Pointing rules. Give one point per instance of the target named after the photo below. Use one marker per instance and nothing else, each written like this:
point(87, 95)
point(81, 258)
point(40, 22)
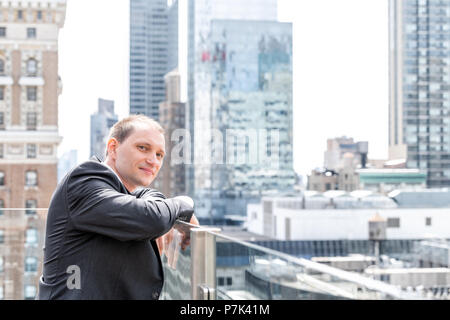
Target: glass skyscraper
point(101, 122)
point(419, 112)
point(153, 49)
point(240, 104)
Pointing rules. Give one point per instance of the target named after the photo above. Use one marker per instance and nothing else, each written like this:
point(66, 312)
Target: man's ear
point(111, 146)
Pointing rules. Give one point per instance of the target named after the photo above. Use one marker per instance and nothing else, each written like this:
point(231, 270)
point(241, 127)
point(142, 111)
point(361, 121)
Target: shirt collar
point(104, 163)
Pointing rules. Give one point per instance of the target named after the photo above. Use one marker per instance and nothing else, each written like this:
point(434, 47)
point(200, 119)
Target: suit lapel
point(122, 187)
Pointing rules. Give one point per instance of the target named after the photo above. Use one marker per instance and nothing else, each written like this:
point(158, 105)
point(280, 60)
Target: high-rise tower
point(419, 111)
point(153, 49)
point(239, 104)
point(101, 123)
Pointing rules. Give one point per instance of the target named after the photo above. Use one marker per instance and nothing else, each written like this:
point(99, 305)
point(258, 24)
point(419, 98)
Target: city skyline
point(346, 84)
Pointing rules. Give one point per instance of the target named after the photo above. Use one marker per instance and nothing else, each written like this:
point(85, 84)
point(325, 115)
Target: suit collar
point(97, 159)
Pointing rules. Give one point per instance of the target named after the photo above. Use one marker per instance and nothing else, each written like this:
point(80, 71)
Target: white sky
point(340, 68)
point(93, 63)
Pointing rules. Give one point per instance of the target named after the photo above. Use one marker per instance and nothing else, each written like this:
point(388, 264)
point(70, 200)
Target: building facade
point(345, 152)
point(419, 111)
point(173, 33)
point(101, 123)
point(171, 180)
point(153, 50)
point(240, 104)
point(343, 217)
point(387, 180)
point(323, 180)
point(29, 89)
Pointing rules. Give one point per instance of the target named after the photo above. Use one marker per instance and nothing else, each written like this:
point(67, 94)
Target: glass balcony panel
point(245, 271)
point(176, 260)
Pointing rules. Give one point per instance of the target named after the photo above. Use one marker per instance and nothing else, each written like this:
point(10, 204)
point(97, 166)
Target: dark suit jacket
point(96, 225)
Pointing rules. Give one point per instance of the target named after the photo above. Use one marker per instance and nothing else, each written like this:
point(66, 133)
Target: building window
point(30, 292)
point(2, 206)
point(1, 150)
point(31, 264)
point(31, 236)
point(268, 207)
point(31, 33)
point(39, 15)
point(19, 14)
point(385, 278)
point(31, 67)
point(221, 281)
point(31, 120)
point(31, 178)
point(2, 32)
point(393, 222)
point(2, 92)
point(2, 178)
point(2, 119)
point(31, 205)
point(31, 151)
point(1, 264)
point(2, 67)
point(2, 236)
point(229, 281)
point(32, 93)
point(428, 221)
point(1, 293)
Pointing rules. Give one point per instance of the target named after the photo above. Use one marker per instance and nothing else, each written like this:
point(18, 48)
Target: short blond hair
point(125, 127)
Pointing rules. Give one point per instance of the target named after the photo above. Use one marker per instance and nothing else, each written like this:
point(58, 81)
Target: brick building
point(29, 90)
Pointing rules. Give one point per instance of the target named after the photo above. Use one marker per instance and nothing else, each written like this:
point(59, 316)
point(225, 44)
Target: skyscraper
point(240, 103)
point(173, 26)
point(101, 123)
point(29, 89)
point(419, 111)
point(172, 112)
point(66, 163)
point(153, 49)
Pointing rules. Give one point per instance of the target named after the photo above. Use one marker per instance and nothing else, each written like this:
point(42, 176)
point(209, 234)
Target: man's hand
point(186, 240)
point(194, 221)
point(186, 208)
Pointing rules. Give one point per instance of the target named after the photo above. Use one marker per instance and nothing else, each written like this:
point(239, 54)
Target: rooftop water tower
point(377, 232)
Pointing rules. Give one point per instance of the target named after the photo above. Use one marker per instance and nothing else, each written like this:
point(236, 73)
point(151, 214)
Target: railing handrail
point(20, 209)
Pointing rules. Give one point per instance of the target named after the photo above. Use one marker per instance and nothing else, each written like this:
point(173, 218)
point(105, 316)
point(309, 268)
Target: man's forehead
point(148, 132)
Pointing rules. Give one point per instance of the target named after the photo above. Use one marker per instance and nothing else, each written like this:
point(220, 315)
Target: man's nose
point(152, 159)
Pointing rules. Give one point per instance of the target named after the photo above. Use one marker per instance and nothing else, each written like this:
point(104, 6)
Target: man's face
point(139, 157)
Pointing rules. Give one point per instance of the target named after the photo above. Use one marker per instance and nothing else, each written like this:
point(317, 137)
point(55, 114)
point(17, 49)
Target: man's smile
point(148, 171)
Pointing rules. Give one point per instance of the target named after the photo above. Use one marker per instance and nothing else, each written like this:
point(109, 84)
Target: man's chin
point(147, 183)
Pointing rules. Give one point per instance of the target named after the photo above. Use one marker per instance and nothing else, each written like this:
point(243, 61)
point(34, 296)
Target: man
point(102, 226)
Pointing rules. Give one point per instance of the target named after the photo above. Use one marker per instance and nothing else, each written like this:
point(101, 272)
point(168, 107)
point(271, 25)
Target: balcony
point(214, 266)
point(257, 273)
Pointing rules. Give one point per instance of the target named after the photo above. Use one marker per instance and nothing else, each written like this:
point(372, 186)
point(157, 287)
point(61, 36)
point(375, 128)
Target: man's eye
point(142, 148)
point(160, 155)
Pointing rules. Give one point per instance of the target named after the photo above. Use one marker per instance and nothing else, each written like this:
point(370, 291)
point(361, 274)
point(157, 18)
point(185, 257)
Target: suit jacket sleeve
point(96, 206)
point(147, 192)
